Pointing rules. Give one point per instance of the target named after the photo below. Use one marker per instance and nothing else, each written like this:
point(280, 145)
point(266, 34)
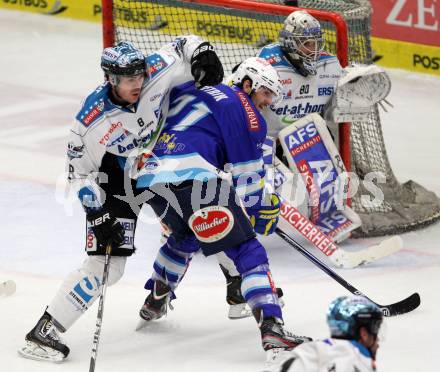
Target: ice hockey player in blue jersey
point(354, 324)
point(311, 78)
point(205, 167)
point(119, 119)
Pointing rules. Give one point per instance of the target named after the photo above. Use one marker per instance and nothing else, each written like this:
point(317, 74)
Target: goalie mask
point(260, 72)
point(302, 40)
point(122, 60)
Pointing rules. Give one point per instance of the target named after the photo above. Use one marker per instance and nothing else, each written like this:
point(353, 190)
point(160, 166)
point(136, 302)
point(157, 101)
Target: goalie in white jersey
point(119, 119)
point(354, 324)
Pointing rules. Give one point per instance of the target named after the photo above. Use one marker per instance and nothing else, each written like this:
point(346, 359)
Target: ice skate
point(273, 335)
point(238, 308)
point(43, 342)
point(156, 304)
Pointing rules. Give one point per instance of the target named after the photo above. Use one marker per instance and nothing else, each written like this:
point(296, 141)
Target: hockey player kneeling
point(354, 324)
point(207, 130)
point(122, 116)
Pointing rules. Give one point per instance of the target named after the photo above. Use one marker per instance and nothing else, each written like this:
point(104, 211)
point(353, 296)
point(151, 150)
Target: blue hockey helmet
point(346, 315)
point(123, 59)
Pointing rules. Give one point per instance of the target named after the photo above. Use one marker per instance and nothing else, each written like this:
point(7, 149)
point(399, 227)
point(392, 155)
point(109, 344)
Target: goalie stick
point(337, 255)
point(405, 306)
point(97, 333)
point(7, 288)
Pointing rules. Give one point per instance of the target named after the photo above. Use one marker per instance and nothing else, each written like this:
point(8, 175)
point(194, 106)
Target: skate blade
point(239, 311)
point(142, 323)
point(40, 353)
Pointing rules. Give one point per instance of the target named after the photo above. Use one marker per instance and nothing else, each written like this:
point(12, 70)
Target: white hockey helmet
point(260, 72)
point(300, 28)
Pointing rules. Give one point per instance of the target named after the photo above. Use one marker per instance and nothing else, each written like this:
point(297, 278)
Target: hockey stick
point(7, 288)
point(97, 333)
point(405, 306)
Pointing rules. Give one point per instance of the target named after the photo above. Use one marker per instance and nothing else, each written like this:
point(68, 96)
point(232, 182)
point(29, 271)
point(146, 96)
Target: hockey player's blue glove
point(106, 227)
point(264, 219)
point(206, 67)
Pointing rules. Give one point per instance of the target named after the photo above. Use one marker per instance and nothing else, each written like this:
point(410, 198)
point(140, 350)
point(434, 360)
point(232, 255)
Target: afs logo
point(210, 224)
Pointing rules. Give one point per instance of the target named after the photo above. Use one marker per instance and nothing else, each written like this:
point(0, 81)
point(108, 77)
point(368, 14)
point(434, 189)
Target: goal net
point(238, 29)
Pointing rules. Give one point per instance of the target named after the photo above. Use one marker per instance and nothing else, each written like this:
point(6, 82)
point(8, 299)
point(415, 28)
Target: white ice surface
point(47, 65)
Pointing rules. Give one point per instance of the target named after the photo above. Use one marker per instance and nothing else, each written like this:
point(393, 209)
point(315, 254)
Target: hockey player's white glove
point(357, 91)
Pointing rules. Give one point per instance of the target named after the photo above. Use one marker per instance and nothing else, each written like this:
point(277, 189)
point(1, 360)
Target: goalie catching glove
point(106, 227)
point(206, 67)
point(264, 219)
point(357, 91)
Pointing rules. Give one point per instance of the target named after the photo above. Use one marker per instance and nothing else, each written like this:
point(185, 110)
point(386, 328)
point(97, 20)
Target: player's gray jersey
point(300, 95)
point(103, 127)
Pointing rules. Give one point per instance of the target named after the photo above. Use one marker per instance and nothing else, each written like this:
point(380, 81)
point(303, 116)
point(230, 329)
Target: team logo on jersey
point(156, 63)
point(93, 113)
point(210, 224)
point(273, 59)
point(74, 151)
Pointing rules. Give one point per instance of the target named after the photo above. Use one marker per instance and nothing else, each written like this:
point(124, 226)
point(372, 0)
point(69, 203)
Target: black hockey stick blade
point(402, 307)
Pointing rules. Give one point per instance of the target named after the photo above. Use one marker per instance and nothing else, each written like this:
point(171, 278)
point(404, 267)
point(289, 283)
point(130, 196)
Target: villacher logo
point(212, 223)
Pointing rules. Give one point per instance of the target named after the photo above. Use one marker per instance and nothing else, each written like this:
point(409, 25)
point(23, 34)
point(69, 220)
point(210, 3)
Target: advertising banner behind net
point(406, 34)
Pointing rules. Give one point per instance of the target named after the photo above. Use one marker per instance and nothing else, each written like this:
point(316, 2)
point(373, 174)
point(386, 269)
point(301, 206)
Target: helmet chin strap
point(296, 62)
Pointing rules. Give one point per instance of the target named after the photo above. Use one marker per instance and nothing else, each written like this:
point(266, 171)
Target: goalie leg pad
point(81, 288)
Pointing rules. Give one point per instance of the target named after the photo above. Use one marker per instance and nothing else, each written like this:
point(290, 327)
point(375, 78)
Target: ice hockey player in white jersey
point(120, 118)
point(354, 324)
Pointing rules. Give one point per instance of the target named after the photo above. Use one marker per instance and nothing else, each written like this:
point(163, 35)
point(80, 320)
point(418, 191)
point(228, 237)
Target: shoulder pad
point(274, 55)
point(157, 63)
point(93, 106)
point(326, 56)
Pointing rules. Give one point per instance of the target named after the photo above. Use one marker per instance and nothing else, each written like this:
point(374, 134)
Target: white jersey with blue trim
point(301, 95)
point(206, 130)
point(323, 356)
point(103, 127)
